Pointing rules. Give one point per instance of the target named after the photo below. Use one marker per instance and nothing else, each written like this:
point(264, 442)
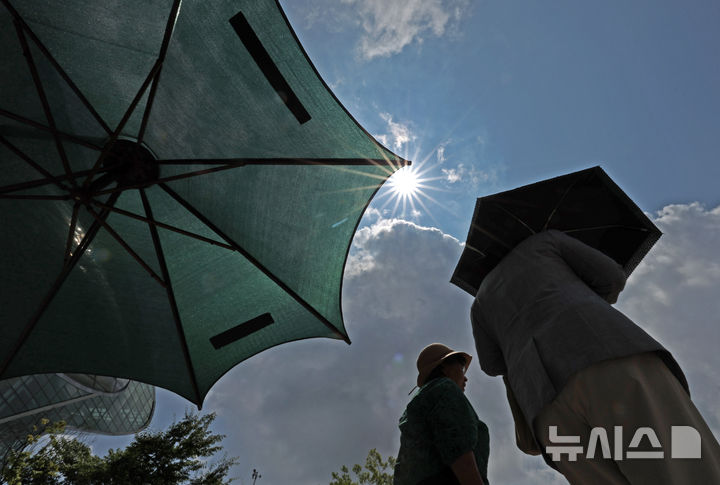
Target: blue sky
point(484, 96)
point(519, 91)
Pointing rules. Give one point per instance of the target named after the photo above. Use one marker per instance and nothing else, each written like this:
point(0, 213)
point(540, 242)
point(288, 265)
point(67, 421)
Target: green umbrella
point(179, 189)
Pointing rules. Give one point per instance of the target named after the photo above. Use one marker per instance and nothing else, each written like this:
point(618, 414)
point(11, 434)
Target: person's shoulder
point(438, 389)
point(446, 397)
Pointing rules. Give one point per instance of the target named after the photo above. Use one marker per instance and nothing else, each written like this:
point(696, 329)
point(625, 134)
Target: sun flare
point(405, 182)
point(407, 190)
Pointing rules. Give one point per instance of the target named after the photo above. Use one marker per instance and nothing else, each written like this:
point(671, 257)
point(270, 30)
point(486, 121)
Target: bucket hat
point(432, 356)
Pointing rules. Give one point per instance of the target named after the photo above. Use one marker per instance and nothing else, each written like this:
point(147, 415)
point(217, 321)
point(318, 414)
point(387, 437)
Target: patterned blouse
point(438, 426)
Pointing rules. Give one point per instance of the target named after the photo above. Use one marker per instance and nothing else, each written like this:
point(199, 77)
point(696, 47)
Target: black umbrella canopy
point(179, 189)
point(586, 205)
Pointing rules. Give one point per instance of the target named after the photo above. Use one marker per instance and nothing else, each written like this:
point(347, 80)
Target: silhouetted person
point(543, 320)
point(442, 441)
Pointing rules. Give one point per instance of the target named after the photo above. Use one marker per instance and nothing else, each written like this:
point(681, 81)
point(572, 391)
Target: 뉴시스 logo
point(685, 443)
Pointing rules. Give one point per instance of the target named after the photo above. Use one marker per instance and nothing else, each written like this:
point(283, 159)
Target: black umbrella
point(586, 205)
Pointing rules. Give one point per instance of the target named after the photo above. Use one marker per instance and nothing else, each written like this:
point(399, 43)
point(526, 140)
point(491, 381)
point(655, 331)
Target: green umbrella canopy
point(178, 189)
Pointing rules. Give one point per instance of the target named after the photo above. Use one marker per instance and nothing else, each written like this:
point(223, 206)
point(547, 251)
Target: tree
point(374, 472)
point(174, 456)
point(34, 461)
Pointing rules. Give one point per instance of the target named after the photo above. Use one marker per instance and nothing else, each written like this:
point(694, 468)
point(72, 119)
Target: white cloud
point(372, 213)
point(441, 154)
point(400, 134)
point(673, 294)
point(384, 139)
point(453, 175)
point(478, 177)
point(391, 25)
point(301, 410)
point(472, 176)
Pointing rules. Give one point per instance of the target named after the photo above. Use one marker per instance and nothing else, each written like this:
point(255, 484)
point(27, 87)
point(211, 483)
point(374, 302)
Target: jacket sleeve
point(489, 353)
point(524, 437)
point(598, 271)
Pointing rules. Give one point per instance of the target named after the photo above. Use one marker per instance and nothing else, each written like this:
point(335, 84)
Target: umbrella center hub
point(131, 164)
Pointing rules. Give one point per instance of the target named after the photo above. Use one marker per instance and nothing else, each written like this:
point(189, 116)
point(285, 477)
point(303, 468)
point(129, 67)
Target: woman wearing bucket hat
point(442, 441)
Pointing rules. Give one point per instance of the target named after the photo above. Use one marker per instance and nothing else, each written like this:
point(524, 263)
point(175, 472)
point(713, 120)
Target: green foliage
point(35, 462)
point(375, 472)
point(174, 456)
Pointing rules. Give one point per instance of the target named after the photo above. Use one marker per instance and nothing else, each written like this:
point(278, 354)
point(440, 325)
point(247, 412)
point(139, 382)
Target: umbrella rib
point(280, 161)
point(491, 236)
point(57, 66)
point(515, 217)
point(67, 268)
point(43, 98)
point(121, 125)
point(254, 261)
point(171, 294)
point(165, 179)
point(164, 226)
point(161, 59)
point(40, 126)
point(50, 178)
point(557, 206)
point(35, 197)
point(126, 246)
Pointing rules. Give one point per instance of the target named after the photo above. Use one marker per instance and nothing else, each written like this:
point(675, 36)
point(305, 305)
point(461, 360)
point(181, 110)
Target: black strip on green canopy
point(241, 331)
point(268, 67)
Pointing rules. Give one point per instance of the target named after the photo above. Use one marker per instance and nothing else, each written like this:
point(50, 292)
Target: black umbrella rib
point(34, 197)
point(113, 138)
point(40, 126)
point(43, 99)
point(263, 60)
point(532, 231)
point(49, 178)
point(165, 179)
point(57, 66)
point(252, 260)
point(126, 247)
point(164, 226)
point(239, 162)
point(169, 27)
point(171, 295)
point(559, 202)
point(50, 295)
point(491, 236)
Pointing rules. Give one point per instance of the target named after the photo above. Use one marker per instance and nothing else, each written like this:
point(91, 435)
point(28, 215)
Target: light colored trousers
point(635, 393)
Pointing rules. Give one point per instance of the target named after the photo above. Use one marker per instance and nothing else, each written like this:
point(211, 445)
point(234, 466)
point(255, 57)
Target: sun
point(405, 182)
point(407, 190)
